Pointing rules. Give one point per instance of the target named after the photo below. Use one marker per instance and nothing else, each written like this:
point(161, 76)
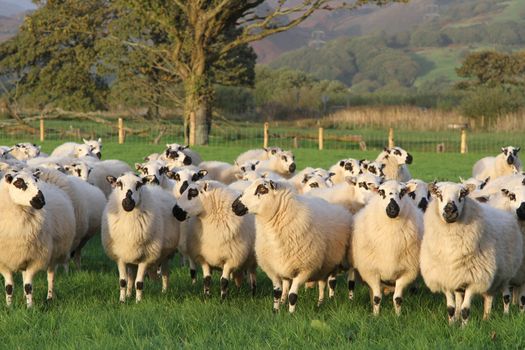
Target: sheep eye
point(348, 166)
point(119, 184)
point(261, 189)
point(195, 177)
point(397, 152)
point(512, 197)
point(20, 184)
point(364, 185)
point(253, 166)
point(192, 192)
point(412, 195)
point(243, 169)
point(382, 193)
point(285, 158)
point(314, 185)
point(402, 192)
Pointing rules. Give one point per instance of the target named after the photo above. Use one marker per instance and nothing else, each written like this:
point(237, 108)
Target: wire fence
point(460, 138)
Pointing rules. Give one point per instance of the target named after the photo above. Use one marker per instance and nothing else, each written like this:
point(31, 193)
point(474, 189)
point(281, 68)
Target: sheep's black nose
point(238, 207)
point(423, 204)
point(510, 160)
point(520, 212)
point(128, 204)
point(187, 161)
point(38, 201)
point(392, 209)
point(291, 168)
point(179, 214)
point(409, 159)
point(450, 212)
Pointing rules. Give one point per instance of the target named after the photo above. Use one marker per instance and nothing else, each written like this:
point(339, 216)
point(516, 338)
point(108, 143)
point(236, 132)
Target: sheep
point(496, 185)
point(374, 168)
point(513, 201)
point(138, 229)
point(386, 242)
point(25, 151)
point(281, 163)
point(33, 239)
point(257, 154)
point(221, 171)
point(316, 180)
point(478, 184)
point(344, 168)
point(193, 156)
point(79, 169)
point(298, 238)
point(69, 149)
point(480, 249)
point(419, 193)
point(184, 177)
point(102, 169)
point(4, 152)
point(395, 160)
point(154, 171)
point(221, 239)
point(505, 163)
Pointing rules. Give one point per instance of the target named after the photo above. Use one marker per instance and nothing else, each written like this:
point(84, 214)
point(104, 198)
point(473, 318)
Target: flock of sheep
point(365, 218)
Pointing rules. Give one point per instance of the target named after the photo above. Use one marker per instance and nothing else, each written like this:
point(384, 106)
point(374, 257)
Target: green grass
point(443, 62)
point(86, 312)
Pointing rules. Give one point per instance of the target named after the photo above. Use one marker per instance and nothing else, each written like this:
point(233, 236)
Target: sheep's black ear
point(145, 179)
point(112, 180)
point(386, 149)
point(517, 150)
point(202, 173)
point(138, 166)
point(8, 178)
point(342, 163)
point(182, 148)
point(163, 170)
point(432, 188)
point(331, 175)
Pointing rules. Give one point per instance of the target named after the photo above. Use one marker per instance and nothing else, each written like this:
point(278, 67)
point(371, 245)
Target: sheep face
point(177, 158)
point(451, 199)
point(375, 168)
point(249, 165)
point(257, 198)
point(95, 146)
point(286, 162)
point(402, 156)
point(516, 200)
point(351, 167)
point(316, 180)
point(25, 151)
point(84, 150)
point(510, 153)
point(152, 171)
point(190, 202)
point(365, 186)
point(419, 193)
point(80, 169)
point(391, 194)
point(128, 189)
point(23, 189)
point(183, 178)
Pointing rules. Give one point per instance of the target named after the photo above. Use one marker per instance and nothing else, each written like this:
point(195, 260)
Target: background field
point(86, 312)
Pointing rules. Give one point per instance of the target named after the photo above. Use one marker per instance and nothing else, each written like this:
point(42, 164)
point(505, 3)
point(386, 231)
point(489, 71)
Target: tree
point(198, 29)
point(53, 58)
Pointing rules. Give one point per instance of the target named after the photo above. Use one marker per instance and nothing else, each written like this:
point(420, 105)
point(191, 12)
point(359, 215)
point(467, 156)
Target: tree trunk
point(198, 109)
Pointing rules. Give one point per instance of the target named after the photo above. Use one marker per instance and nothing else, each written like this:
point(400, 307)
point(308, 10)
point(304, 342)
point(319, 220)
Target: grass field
point(86, 312)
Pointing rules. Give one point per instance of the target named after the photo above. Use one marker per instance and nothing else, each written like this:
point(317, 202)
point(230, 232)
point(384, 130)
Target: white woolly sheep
point(480, 249)
point(513, 201)
point(257, 154)
point(184, 177)
point(281, 163)
point(419, 193)
point(298, 238)
point(386, 242)
point(374, 168)
point(33, 239)
point(154, 171)
point(505, 163)
point(344, 168)
point(25, 151)
point(68, 149)
point(395, 160)
point(79, 169)
point(221, 239)
point(138, 229)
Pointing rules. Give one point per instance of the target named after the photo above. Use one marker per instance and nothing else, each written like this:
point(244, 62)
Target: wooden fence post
point(391, 143)
point(266, 127)
point(295, 142)
point(120, 131)
point(42, 130)
point(464, 147)
point(321, 139)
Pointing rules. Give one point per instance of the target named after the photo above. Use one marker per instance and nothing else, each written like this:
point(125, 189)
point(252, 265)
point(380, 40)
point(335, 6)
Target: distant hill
point(12, 13)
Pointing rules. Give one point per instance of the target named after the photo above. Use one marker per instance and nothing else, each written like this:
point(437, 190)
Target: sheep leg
point(401, 284)
point(300, 279)
point(375, 295)
point(351, 283)
point(165, 271)
point(332, 282)
point(123, 277)
point(459, 301)
point(487, 305)
point(9, 283)
point(139, 282)
point(465, 306)
point(193, 271)
point(76, 258)
point(522, 298)
point(238, 276)
point(132, 272)
point(277, 293)
point(506, 299)
point(27, 277)
point(225, 279)
point(322, 287)
point(50, 282)
point(286, 288)
point(206, 272)
point(451, 307)
point(253, 281)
